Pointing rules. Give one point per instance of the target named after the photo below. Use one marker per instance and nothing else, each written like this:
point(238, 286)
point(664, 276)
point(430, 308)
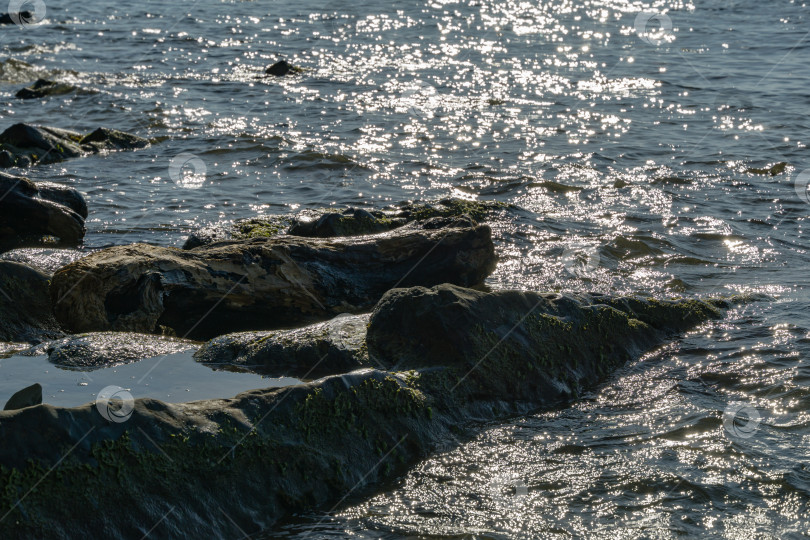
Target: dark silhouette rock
point(39, 214)
point(25, 305)
point(44, 88)
point(27, 397)
point(352, 222)
point(282, 68)
point(16, 18)
point(261, 283)
point(25, 144)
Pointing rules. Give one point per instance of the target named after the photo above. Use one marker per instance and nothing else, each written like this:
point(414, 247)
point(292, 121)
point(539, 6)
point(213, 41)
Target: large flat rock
point(261, 283)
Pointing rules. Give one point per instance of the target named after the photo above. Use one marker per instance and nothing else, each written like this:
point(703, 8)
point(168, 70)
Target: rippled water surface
point(635, 149)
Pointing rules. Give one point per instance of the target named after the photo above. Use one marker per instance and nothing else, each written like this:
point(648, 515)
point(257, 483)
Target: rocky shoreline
point(387, 307)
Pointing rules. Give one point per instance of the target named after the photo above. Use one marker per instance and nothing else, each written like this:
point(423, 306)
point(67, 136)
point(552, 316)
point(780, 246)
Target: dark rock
point(37, 214)
point(28, 144)
point(282, 68)
point(550, 344)
point(25, 305)
point(267, 454)
point(27, 397)
point(16, 18)
point(352, 222)
point(327, 223)
point(259, 284)
point(106, 349)
point(773, 170)
point(6, 159)
point(327, 348)
point(112, 139)
point(43, 88)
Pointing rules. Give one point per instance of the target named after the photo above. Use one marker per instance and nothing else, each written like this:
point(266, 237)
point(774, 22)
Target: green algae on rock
point(266, 454)
point(329, 223)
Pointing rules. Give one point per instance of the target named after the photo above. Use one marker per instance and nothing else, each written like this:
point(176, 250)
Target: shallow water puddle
point(174, 378)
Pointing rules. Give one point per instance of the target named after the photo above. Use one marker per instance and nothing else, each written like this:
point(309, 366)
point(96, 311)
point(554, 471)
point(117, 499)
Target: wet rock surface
point(25, 305)
point(552, 345)
point(47, 260)
point(262, 283)
point(36, 214)
point(44, 88)
point(22, 145)
point(329, 223)
point(266, 454)
point(27, 397)
point(327, 348)
point(107, 349)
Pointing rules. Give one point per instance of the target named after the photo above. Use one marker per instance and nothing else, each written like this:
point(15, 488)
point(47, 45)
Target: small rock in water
point(281, 68)
point(27, 397)
point(15, 18)
point(44, 87)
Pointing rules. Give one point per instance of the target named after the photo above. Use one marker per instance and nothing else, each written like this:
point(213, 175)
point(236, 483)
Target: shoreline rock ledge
point(262, 283)
point(259, 457)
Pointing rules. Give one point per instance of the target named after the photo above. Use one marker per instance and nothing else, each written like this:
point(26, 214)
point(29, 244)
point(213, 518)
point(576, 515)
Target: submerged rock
point(24, 17)
point(352, 222)
point(25, 305)
point(262, 283)
point(27, 397)
point(334, 346)
point(266, 454)
point(106, 349)
point(39, 214)
point(22, 145)
point(43, 88)
point(327, 223)
point(282, 68)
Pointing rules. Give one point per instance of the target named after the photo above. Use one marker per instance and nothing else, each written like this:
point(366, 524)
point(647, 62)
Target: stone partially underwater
point(327, 348)
point(262, 283)
point(23, 145)
point(107, 349)
point(331, 223)
point(229, 467)
point(39, 214)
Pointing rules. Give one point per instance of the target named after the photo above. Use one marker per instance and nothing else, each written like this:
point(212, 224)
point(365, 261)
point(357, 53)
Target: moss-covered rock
point(266, 454)
point(329, 223)
point(551, 345)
